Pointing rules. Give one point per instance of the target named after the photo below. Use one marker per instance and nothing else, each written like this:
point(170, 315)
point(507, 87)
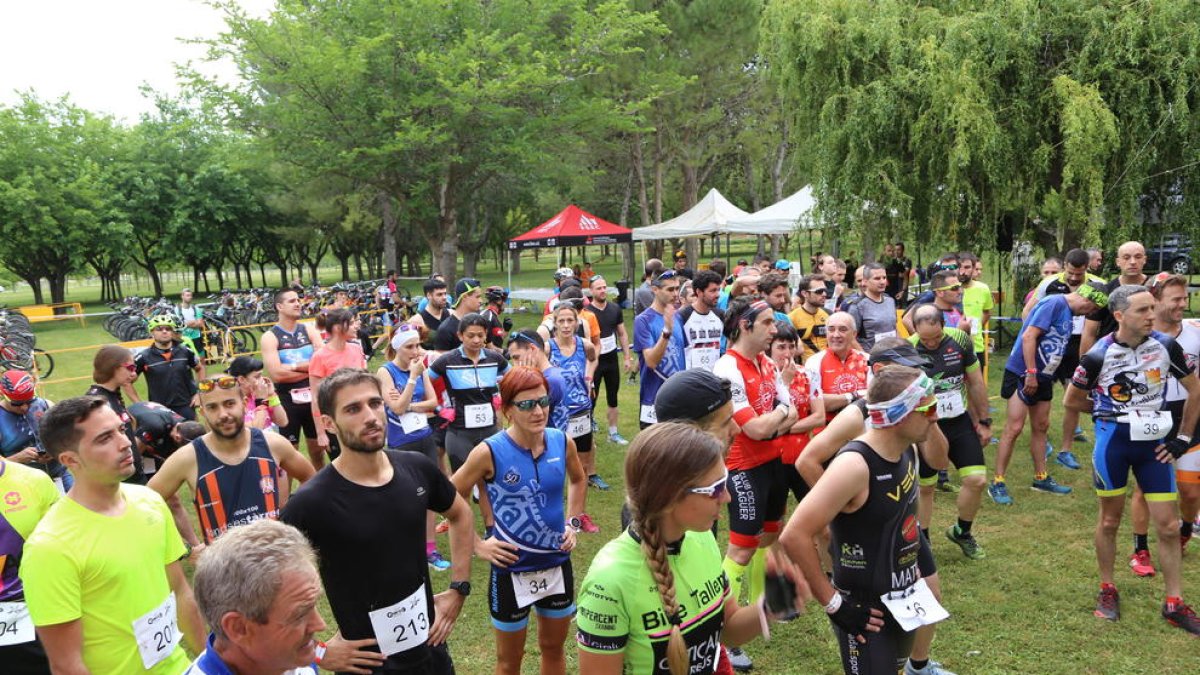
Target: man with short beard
point(874, 313)
point(233, 470)
point(700, 323)
point(365, 516)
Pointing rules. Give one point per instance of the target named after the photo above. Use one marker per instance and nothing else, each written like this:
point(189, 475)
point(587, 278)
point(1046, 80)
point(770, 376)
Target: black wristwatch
point(985, 422)
point(463, 587)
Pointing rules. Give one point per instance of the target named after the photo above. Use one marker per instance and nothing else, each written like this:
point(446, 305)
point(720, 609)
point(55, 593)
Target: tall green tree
point(1051, 121)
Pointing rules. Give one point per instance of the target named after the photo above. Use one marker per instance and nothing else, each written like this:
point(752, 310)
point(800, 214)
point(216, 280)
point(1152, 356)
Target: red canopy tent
point(571, 227)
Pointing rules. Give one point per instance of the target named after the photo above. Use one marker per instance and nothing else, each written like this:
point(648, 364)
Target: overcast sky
point(101, 51)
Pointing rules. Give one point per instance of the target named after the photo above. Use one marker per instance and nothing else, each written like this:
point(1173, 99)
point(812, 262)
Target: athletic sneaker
point(586, 524)
point(1108, 604)
point(1140, 563)
point(739, 660)
point(1048, 484)
point(1079, 435)
point(966, 542)
point(1183, 617)
point(597, 482)
point(1067, 458)
point(931, 668)
point(437, 562)
point(947, 486)
point(999, 494)
point(618, 439)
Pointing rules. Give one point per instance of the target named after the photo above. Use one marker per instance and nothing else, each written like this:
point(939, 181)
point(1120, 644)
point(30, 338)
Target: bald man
point(840, 370)
point(1131, 258)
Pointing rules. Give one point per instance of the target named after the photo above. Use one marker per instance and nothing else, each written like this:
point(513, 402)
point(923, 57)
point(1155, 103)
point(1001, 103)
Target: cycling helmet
point(17, 386)
point(563, 273)
point(496, 294)
point(154, 425)
point(783, 265)
point(161, 320)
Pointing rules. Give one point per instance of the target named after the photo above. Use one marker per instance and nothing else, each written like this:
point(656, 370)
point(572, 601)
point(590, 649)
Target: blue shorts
point(1115, 454)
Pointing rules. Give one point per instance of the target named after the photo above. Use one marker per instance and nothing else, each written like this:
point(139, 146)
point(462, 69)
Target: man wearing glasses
point(168, 366)
point(947, 297)
point(659, 351)
point(810, 316)
point(233, 471)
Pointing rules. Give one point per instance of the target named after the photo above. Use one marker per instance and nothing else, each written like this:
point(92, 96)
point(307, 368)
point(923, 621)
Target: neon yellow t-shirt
point(977, 299)
point(106, 571)
point(25, 496)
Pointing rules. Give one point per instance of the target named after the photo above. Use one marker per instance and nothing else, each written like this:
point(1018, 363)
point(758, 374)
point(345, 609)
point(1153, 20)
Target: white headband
point(404, 334)
point(892, 412)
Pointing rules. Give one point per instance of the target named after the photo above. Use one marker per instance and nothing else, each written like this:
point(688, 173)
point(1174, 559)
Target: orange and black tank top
point(228, 495)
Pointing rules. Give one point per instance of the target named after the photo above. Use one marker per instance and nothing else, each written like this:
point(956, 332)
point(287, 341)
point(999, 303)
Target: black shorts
point(608, 372)
point(300, 418)
point(424, 446)
point(1070, 361)
point(966, 452)
point(502, 601)
point(925, 562)
point(759, 499)
point(187, 412)
point(460, 443)
point(795, 483)
point(883, 652)
point(27, 658)
point(1013, 383)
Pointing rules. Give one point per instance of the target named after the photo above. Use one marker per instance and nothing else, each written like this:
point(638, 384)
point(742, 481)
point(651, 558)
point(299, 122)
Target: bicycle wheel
point(44, 362)
point(244, 341)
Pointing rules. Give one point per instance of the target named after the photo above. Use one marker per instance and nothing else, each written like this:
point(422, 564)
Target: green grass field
point(1025, 608)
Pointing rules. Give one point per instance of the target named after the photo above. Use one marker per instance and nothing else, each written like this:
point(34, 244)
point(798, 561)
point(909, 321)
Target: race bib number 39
point(157, 633)
point(402, 626)
point(529, 587)
point(915, 606)
point(15, 625)
point(1149, 425)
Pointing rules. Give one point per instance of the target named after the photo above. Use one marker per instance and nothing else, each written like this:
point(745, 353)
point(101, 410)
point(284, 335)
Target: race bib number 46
point(157, 633)
point(402, 626)
point(915, 606)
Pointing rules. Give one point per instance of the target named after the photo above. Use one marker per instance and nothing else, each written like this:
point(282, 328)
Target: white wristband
point(835, 603)
point(1184, 437)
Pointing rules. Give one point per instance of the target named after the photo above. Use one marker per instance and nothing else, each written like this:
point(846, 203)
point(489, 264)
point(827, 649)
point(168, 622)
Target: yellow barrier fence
point(40, 313)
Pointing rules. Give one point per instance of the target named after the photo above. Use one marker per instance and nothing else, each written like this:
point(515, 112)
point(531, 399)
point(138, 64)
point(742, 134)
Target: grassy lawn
point(1025, 608)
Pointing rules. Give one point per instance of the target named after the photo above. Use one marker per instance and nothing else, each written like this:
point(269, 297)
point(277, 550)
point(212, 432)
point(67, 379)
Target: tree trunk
point(470, 258)
point(237, 273)
point(195, 278)
point(58, 287)
point(344, 261)
point(388, 215)
point(35, 284)
point(155, 279)
point(358, 266)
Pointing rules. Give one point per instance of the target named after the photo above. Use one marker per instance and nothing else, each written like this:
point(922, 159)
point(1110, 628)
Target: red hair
point(520, 379)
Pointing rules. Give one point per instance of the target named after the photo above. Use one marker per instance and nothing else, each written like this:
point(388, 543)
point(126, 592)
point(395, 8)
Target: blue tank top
point(228, 495)
point(396, 435)
point(527, 499)
point(577, 398)
point(294, 347)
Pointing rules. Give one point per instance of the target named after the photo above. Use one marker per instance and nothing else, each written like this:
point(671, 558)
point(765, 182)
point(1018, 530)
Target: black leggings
point(883, 652)
point(608, 372)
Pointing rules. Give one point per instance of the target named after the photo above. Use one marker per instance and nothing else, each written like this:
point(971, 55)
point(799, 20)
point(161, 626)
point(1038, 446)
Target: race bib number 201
point(157, 633)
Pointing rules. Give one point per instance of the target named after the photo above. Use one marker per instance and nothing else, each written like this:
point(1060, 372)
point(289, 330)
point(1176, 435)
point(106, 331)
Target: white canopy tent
point(709, 216)
point(782, 217)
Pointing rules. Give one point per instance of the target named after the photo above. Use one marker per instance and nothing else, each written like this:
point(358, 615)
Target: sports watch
point(462, 587)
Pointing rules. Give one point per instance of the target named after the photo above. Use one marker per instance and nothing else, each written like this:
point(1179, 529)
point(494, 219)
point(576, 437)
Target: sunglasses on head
point(952, 287)
point(714, 491)
point(666, 274)
point(222, 382)
point(530, 404)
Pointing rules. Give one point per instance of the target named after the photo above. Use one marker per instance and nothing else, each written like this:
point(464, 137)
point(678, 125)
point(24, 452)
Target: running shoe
point(597, 482)
point(618, 439)
point(1182, 616)
point(931, 668)
point(740, 660)
point(966, 542)
point(947, 486)
point(586, 524)
point(437, 562)
point(1067, 459)
point(1141, 564)
point(1051, 486)
point(1079, 435)
point(443, 526)
point(1108, 604)
point(999, 494)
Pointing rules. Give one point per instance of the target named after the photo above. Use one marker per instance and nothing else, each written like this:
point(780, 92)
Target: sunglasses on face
point(820, 291)
point(222, 382)
point(929, 409)
point(18, 404)
point(714, 491)
point(529, 404)
point(131, 367)
point(954, 287)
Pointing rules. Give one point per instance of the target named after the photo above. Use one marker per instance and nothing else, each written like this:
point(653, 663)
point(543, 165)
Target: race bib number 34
point(402, 626)
point(157, 633)
point(529, 587)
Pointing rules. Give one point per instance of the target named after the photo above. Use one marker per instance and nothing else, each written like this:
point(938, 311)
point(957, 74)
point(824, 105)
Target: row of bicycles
point(18, 345)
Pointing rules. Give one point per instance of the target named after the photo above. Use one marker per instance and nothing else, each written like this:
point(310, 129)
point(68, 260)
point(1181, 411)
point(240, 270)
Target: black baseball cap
point(244, 365)
point(900, 354)
point(690, 395)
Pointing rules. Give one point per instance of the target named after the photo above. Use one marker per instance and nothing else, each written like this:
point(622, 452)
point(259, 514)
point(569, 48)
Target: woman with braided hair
point(656, 599)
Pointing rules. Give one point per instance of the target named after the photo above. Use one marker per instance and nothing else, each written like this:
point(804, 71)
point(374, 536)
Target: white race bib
point(148, 465)
point(412, 422)
point(402, 626)
point(608, 344)
point(1077, 324)
point(703, 357)
point(649, 415)
point(950, 404)
point(157, 632)
point(15, 625)
point(303, 395)
point(887, 334)
point(579, 425)
point(529, 587)
point(914, 606)
point(1149, 425)
point(479, 415)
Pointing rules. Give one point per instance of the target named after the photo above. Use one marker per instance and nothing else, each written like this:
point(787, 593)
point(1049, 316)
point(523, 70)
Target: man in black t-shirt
point(898, 268)
point(168, 366)
point(468, 298)
point(365, 515)
point(614, 340)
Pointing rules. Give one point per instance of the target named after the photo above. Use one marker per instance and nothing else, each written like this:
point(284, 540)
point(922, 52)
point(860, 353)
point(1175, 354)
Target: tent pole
point(510, 272)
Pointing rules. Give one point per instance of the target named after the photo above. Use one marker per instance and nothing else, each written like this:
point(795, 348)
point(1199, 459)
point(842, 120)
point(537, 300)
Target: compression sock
point(757, 575)
point(1185, 528)
point(736, 573)
point(1140, 542)
point(612, 431)
point(964, 526)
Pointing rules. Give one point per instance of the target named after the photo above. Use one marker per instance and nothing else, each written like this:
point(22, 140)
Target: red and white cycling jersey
point(755, 386)
point(802, 393)
point(832, 375)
